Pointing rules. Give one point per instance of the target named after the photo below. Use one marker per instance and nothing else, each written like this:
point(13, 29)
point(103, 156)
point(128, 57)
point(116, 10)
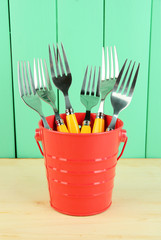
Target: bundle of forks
point(121, 85)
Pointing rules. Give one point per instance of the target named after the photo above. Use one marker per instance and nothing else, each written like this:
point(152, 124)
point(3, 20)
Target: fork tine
point(108, 66)
point(112, 68)
point(119, 77)
point(128, 82)
point(42, 72)
point(103, 64)
point(35, 76)
point(61, 64)
point(134, 82)
point(123, 82)
point(89, 83)
point(27, 80)
point(47, 76)
point(51, 64)
point(98, 83)
point(65, 60)
point(116, 63)
point(19, 81)
point(39, 74)
point(56, 62)
point(31, 79)
point(23, 79)
point(84, 82)
point(93, 85)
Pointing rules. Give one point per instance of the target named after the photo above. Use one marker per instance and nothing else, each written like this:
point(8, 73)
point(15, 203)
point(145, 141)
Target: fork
point(121, 96)
point(106, 85)
point(89, 99)
point(62, 82)
point(29, 96)
point(46, 93)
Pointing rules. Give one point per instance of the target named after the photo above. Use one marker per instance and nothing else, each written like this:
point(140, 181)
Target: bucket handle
point(38, 137)
point(124, 139)
point(38, 144)
point(122, 149)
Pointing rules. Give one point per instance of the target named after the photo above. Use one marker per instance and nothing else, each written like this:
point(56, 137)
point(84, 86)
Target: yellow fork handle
point(72, 123)
point(62, 128)
point(99, 125)
point(86, 129)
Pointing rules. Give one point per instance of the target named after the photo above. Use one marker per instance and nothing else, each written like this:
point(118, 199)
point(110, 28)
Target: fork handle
point(72, 123)
point(46, 125)
point(99, 124)
point(86, 128)
point(62, 128)
point(112, 123)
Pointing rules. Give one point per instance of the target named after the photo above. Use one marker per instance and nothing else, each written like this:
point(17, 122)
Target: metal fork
point(46, 93)
point(29, 96)
point(63, 81)
point(89, 98)
point(121, 96)
point(107, 84)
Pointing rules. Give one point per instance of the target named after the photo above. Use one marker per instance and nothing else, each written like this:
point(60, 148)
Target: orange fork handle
point(62, 128)
point(86, 129)
point(99, 125)
point(72, 123)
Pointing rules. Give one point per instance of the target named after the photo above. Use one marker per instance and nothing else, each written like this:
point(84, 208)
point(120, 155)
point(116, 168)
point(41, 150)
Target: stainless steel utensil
point(29, 96)
point(63, 81)
point(106, 85)
point(46, 93)
point(89, 98)
point(121, 96)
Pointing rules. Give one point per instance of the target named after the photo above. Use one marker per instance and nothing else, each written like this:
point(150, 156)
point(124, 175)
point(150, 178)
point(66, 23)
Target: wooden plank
point(7, 148)
point(80, 28)
point(128, 27)
point(33, 27)
point(26, 213)
point(154, 114)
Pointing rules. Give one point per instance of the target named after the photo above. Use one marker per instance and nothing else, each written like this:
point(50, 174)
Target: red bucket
point(80, 167)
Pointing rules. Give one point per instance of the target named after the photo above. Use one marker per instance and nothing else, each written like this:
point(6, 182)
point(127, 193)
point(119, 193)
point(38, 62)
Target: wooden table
point(25, 212)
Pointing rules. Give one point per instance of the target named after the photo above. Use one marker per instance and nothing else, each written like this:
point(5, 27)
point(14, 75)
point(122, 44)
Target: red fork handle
point(38, 138)
point(123, 138)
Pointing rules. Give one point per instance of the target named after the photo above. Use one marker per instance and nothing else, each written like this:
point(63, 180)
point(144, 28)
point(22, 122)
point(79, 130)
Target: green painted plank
point(153, 149)
point(80, 28)
point(7, 149)
point(33, 27)
point(127, 25)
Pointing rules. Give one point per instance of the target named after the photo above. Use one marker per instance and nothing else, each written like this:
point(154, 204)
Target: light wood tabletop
point(25, 212)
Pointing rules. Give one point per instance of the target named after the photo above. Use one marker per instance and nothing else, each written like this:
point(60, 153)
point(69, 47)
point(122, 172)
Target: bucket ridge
point(82, 172)
point(84, 160)
point(82, 185)
point(86, 195)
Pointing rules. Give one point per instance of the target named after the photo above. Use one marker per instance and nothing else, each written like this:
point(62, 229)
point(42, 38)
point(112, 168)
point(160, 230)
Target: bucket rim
point(82, 134)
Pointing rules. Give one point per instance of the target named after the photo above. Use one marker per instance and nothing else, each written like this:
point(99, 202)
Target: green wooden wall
point(28, 27)
point(7, 136)
point(153, 147)
point(32, 28)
